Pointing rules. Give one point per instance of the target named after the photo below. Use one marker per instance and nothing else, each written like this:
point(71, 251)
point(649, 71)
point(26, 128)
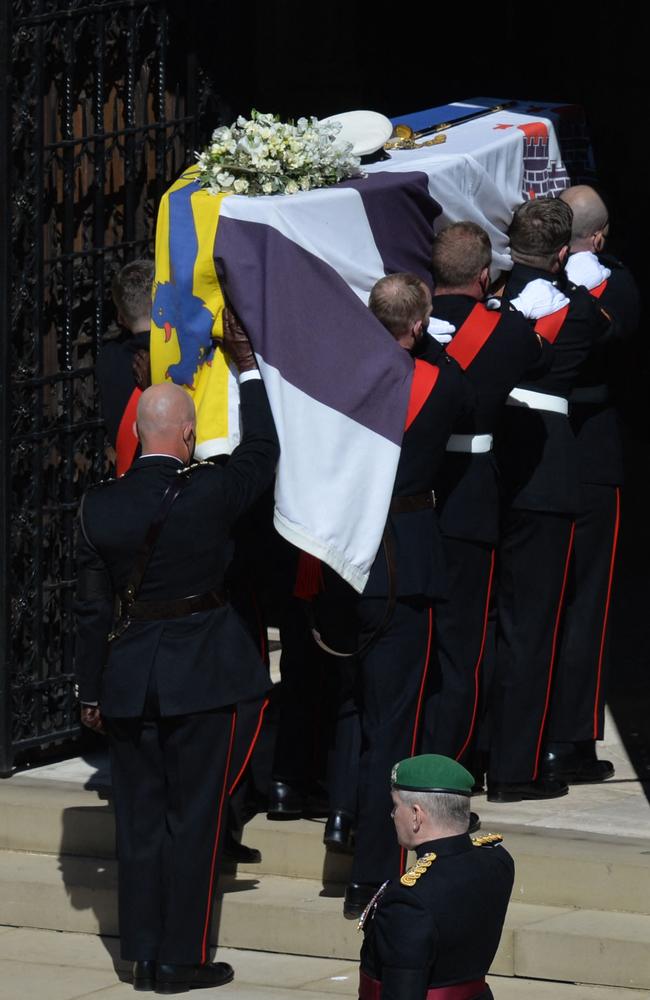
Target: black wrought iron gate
point(94, 125)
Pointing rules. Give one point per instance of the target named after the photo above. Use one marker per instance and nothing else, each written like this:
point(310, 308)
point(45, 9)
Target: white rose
point(241, 185)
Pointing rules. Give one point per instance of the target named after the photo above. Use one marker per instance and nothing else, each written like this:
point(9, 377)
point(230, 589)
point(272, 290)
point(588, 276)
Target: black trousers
point(578, 700)
point(345, 738)
point(171, 781)
point(532, 571)
point(452, 706)
point(393, 678)
point(302, 735)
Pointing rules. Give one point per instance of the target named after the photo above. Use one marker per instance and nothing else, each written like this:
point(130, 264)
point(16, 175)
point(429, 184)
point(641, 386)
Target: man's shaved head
point(165, 420)
point(590, 215)
point(399, 301)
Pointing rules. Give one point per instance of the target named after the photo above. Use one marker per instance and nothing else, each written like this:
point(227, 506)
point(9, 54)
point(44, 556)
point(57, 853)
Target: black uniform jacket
point(200, 661)
point(416, 536)
point(468, 493)
point(536, 449)
point(445, 928)
point(114, 374)
point(596, 424)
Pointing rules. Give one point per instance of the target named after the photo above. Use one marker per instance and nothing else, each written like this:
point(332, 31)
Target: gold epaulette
point(487, 840)
point(422, 865)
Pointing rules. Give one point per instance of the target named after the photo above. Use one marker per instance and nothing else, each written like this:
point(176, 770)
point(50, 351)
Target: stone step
point(54, 817)
point(566, 868)
point(52, 965)
point(292, 915)
point(557, 869)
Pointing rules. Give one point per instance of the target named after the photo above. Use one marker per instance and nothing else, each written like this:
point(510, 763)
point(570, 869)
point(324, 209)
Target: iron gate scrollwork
point(95, 126)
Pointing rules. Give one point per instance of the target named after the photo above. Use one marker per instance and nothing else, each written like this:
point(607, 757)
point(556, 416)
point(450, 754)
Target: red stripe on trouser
point(418, 712)
point(479, 660)
point(553, 650)
point(251, 747)
point(601, 654)
point(222, 799)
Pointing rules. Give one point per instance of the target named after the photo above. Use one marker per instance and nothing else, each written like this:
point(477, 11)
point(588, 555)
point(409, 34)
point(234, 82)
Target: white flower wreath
point(263, 155)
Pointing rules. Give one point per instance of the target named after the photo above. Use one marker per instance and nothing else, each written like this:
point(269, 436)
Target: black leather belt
point(405, 505)
point(151, 611)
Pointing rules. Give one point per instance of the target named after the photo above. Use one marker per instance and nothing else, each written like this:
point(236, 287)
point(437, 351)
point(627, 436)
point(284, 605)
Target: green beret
point(430, 772)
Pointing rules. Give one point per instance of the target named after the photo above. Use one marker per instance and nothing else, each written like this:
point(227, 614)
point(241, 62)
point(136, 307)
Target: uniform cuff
point(249, 376)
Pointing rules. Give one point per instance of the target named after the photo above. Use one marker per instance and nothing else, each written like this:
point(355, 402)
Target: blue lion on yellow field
point(193, 322)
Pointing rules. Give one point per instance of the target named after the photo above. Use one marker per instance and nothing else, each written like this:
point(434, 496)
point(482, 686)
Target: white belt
point(538, 401)
point(473, 443)
point(589, 394)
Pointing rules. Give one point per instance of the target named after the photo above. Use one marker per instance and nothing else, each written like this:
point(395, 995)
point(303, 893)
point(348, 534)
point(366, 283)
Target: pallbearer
point(538, 461)
point(496, 347)
point(576, 715)
point(395, 612)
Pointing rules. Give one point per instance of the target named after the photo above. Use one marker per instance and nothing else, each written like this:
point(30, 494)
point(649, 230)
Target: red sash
point(425, 377)
point(472, 335)
point(127, 443)
point(549, 326)
point(599, 289)
point(370, 989)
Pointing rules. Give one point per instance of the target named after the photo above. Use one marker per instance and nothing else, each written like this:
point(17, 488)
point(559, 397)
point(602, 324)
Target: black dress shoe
point(236, 853)
point(575, 763)
point(285, 801)
point(181, 978)
point(474, 823)
point(144, 975)
point(357, 897)
point(542, 788)
point(338, 832)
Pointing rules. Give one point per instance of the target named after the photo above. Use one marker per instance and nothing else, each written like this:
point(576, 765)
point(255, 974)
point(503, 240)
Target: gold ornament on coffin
point(404, 137)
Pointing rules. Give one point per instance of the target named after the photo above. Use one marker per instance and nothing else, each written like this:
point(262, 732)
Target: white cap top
point(367, 131)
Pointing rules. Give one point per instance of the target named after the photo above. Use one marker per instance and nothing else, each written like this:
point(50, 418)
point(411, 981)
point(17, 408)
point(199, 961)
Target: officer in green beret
point(433, 934)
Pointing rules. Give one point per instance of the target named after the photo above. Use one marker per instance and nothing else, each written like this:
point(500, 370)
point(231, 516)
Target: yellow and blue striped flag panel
point(187, 308)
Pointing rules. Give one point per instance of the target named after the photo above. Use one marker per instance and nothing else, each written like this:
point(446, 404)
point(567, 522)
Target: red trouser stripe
point(251, 747)
point(558, 616)
point(213, 866)
point(418, 712)
point(603, 635)
point(477, 668)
